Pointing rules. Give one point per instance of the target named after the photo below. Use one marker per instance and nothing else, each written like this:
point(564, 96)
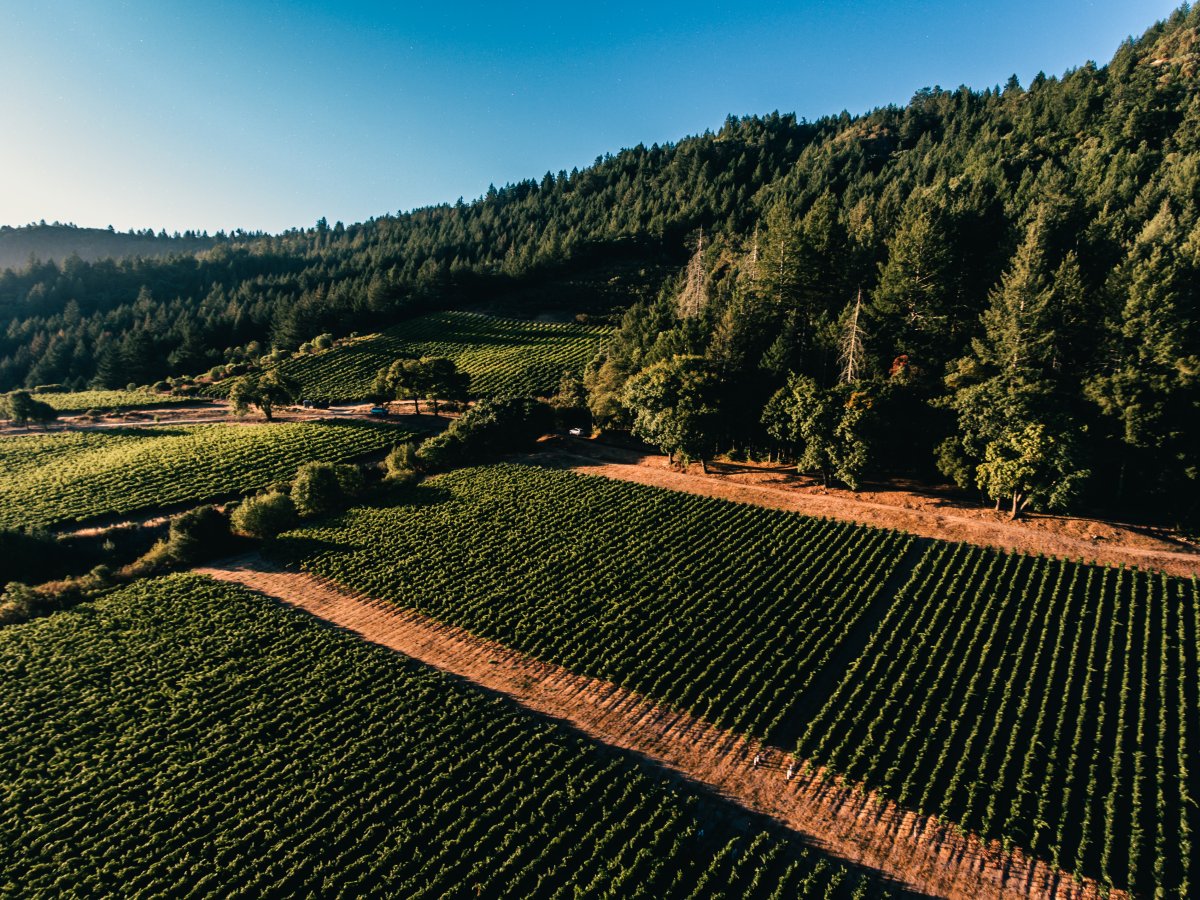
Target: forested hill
point(1027, 261)
point(58, 242)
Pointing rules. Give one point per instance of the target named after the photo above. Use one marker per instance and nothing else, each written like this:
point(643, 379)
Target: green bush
point(403, 463)
point(264, 516)
point(321, 487)
point(491, 428)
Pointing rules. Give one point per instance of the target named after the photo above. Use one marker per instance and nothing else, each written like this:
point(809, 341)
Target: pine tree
point(917, 293)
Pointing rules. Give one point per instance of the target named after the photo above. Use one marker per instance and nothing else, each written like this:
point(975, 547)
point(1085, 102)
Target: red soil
point(915, 851)
point(922, 511)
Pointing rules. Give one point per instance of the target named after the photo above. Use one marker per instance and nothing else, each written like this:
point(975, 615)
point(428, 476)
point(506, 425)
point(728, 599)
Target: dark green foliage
point(264, 515)
point(489, 429)
point(321, 487)
point(674, 406)
point(199, 533)
point(833, 431)
point(403, 463)
point(156, 737)
point(194, 536)
point(23, 409)
point(266, 391)
point(28, 555)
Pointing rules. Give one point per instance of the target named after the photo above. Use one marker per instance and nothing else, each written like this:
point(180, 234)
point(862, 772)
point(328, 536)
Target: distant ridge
point(59, 242)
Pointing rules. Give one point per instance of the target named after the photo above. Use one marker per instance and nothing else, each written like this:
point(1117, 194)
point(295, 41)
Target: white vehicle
point(575, 432)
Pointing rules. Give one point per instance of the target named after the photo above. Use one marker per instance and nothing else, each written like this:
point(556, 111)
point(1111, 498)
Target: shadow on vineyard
point(719, 818)
point(1029, 700)
point(810, 702)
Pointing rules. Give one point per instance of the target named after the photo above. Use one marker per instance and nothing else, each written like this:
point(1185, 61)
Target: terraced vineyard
point(186, 738)
point(78, 401)
point(74, 476)
point(1045, 703)
point(502, 356)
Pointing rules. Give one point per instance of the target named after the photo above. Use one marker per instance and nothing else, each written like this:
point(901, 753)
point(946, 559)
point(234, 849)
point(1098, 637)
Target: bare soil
point(916, 509)
point(918, 852)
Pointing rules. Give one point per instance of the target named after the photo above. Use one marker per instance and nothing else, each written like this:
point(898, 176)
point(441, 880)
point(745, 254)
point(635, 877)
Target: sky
point(269, 114)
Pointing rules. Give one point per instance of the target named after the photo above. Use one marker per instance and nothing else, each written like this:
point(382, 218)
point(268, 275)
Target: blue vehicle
point(379, 411)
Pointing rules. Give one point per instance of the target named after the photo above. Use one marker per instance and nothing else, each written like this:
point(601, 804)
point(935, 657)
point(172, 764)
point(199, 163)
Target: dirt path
point(915, 851)
point(1108, 543)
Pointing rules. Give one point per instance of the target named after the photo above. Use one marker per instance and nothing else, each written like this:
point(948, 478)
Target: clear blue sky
point(260, 114)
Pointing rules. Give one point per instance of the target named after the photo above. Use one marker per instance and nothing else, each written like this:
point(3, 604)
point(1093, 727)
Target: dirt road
point(915, 851)
point(1091, 540)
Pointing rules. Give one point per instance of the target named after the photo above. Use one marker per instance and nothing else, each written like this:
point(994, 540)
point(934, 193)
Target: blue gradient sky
point(269, 115)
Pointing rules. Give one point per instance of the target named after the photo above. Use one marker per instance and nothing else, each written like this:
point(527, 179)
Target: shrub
point(27, 555)
point(322, 487)
point(198, 532)
point(264, 516)
point(193, 536)
point(402, 463)
point(490, 428)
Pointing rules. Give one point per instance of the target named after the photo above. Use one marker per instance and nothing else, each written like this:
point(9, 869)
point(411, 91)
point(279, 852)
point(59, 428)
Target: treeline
point(1023, 264)
point(24, 246)
point(116, 322)
point(1001, 286)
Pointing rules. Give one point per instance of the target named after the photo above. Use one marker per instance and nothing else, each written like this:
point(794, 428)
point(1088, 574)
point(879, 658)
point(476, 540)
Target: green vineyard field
point(1048, 704)
point(728, 610)
point(78, 401)
point(184, 738)
point(503, 356)
point(74, 476)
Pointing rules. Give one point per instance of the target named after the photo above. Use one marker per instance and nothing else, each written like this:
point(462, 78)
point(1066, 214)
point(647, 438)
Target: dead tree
point(852, 352)
point(694, 298)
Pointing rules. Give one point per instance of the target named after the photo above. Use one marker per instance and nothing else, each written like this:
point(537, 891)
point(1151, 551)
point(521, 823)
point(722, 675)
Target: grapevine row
point(78, 475)
point(502, 356)
point(184, 737)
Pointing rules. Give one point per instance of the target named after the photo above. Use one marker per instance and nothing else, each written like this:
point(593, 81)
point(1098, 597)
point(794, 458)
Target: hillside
point(59, 243)
point(502, 357)
point(1026, 259)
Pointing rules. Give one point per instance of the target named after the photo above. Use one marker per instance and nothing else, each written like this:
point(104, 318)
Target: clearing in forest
point(515, 357)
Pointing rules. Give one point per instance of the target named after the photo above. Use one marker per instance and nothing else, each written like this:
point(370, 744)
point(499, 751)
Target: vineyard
point(1049, 704)
point(502, 356)
point(182, 737)
point(79, 401)
point(74, 476)
point(727, 610)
